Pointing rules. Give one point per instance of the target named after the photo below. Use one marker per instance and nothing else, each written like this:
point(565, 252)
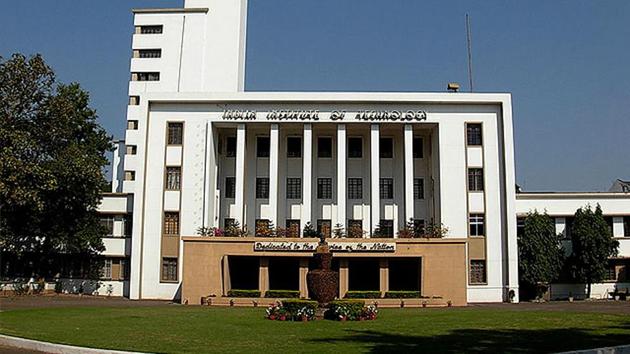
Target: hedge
point(283, 293)
point(292, 306)
point(354, 307)
point(363, 294)
point(402, 294)
point(243, 293)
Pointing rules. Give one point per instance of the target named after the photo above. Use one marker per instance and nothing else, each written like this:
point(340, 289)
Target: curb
point(30, 344)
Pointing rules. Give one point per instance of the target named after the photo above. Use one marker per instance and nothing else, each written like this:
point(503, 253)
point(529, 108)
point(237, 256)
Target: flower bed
point(292, 310)
point(351, 310)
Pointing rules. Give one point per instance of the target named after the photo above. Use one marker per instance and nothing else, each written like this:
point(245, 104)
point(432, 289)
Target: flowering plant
point(342, 313)
point(369, 312)
point(305, 313)
point(276, 311)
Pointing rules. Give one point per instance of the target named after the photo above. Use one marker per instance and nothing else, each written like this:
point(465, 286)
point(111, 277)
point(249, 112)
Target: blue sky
point(565, 62)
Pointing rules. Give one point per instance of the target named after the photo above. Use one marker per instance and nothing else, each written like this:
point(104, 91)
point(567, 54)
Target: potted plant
point(570, 296)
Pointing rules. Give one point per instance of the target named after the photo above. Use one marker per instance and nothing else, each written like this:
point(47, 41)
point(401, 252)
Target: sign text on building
point(334, 246)
point(336, 115)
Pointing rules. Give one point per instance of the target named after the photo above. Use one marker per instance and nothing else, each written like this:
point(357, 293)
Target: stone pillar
point(375, 179)
point(384, 276)
point(307, 174)
point(344, 277)
point(273, 173)
point(341, 175)
point(263, 276)
point(408, 151)
point(239, 196)
point(226, 275)
point(303, 272)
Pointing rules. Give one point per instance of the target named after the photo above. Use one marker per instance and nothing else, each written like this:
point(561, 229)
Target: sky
point(566, 64)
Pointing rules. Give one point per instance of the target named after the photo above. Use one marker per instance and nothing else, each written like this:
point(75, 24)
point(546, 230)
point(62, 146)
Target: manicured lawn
point(177, 328)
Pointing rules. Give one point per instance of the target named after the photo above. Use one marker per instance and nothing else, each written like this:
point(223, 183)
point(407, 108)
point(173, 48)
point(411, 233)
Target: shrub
point(292, 309)
point(293, 306)
point(243, 293)
point(283, 293)
point(363, 294)
point(58, 287)
point(350, 310)
point(309, 231)
point(402, 294)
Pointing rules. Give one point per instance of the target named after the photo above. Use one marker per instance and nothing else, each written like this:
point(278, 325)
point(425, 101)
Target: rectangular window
point(173, 178)
point(355, 188)
point(355, 228)
point(386, 148)
point(418, 148)
point(107, 222)
point(324, 188)
point(262, 146)
point(418, 188)
point(175, 133)
point(611, 273)
point(128, 225)
point(153, 29)
point(355, 147)
point(171, 223)
point(477, 271)
point(477, 225)
point(134, 100)
point(387, 188)
point(132, 125)
point(293, 228)
point(473, 134)
point(294, 188)
point(230, 187)
point(262, 187)
point(123, 272)
point(169, 269)
point(145, 76)
point(475, 179)
point(418, 227)
point(324, 227)
point(230, 146)
point(130, 175)
point(294, 146)
point(106, 272)
point(324, 147)
point(387, 228)
point(626, 226)
point(149, 53)
point(263, 228)
point(131, 149)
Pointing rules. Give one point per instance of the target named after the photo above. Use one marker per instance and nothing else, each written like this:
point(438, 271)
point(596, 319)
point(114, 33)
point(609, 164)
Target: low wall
point(562, 291)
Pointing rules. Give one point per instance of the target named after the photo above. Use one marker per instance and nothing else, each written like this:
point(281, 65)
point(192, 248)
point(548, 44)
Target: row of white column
point(307, 173)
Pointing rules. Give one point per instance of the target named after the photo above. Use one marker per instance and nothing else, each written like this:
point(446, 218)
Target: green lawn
point(196, 329)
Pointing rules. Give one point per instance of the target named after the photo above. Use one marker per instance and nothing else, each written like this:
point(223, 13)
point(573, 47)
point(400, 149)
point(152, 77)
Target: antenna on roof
point(469, 43)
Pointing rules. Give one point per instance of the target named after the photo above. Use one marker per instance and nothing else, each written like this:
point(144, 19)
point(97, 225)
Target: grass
point(197, 329)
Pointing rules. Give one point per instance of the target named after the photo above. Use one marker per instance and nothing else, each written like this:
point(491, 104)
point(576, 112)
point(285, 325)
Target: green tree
point(540, 253)
point(592, 245)
point(52, 155)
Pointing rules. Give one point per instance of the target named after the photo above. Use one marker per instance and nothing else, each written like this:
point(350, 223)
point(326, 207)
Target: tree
point(540, 253)
point(309, 231)
point(592, 245)
point(52, 155)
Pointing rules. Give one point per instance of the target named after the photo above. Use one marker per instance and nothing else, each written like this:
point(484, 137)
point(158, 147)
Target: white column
point(307, 174)
point(273, 173)
point(341, 175)
point(375, 175)
point(409, 200)
point(239, 196)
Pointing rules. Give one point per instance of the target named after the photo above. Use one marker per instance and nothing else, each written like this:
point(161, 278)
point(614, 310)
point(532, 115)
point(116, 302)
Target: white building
point(201, 152)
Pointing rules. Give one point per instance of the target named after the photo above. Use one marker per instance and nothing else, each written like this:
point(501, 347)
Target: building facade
point(378, 173)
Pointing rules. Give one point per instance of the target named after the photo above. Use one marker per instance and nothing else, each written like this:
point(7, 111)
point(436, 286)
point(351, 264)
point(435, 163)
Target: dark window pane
point(175, 133)
point(477, 271)
point(324, 188)
point(387, 228)
point(387, 188)
point(262, 146)
point(324, 227)
point(418, 148)
point(294, 188)
point(169, 269)
point(294, 147)
point(171, 223)
point(355, 188)
point(473, 133)
point(230, 149)
point(355, 147)
point(386, 148)
point(173, 178)
point(477, 225)
point(324, 147)
point(262, 188)
point(230, 187)
point(418, 227)
point(293, 228)
point(418, 188)
point(150, 53)
point(475, 179)
point(154, 29)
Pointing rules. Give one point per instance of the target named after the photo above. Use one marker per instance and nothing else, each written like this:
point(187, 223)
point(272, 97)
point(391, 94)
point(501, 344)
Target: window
point(134, 100)
point(473, 134)
point(475, 179)
point(123, 272)
point(387, 188)
point(294, 146)
point(169, 269)
point(293, 228)
point(145, 76)
point(263, 228)
point(149, 53)
point(230, 146)
point(477, 271)
point(230, 187)
point(418, 148)
point(106, 272)
point(611, 273)
point(128, 225)
point(386, 148)
point(324, 147)
point(418, 227)
point(132, 125)
point(324, 227)
point(173, 178)
point(418, 188)
point(262, 146)
point(171, 223)
point(477, 225)
point(355, 228)
point(294, 188)
point(108, 223)
point(355, 188)
point(387, 228)
point(175, 133)
point(130, 175)
point(131, 149)
point(355, 147)
point(153, 29)
point(324, 188)
point(626, 226)
point(262, 187)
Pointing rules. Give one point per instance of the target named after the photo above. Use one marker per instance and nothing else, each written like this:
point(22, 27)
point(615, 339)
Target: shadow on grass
point(484, 340)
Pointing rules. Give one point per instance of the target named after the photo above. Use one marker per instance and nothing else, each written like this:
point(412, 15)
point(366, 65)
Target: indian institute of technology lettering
point(314, 115)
